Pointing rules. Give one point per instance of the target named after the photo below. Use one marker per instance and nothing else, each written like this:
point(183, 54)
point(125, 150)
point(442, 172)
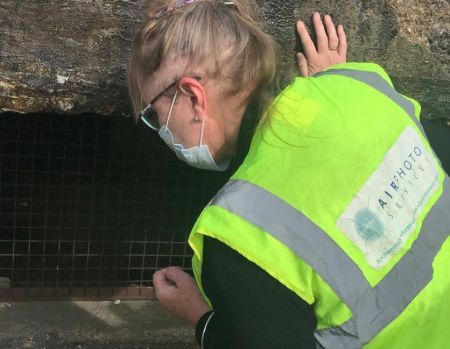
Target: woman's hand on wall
point(179, 294)
point(331, 46)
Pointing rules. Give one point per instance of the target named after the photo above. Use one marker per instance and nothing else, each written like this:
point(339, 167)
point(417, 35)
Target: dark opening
point(89, 202)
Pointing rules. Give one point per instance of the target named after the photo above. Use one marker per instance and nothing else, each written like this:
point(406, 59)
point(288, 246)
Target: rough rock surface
point(65, 56)
point(426, 22)
point(70, 56)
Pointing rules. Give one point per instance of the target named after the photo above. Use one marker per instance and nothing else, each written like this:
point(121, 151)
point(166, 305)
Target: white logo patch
point(383, 213)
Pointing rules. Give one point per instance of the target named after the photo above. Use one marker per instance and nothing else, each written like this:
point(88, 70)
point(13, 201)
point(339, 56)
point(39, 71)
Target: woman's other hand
point(179, 294)
point(331, 46)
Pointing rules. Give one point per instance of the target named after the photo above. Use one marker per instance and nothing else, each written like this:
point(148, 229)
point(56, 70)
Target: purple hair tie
point(179, 4)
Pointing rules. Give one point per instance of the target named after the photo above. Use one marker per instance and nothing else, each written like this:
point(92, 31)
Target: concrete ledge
point(96, 325)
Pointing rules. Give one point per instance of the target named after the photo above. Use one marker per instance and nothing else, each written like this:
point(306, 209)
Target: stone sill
point(79, 325)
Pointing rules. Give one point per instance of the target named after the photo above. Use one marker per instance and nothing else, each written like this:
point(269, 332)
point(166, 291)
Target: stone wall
point(70, 56)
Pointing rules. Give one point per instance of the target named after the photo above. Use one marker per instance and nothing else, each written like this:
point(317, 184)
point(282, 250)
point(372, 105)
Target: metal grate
point(91, 206)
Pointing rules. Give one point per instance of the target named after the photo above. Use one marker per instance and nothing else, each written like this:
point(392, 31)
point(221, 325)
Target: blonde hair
point(201, 32)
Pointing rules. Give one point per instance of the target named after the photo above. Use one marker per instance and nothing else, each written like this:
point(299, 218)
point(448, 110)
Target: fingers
point(330, 49)
point(302, 64)
point(333, 40)
point(327, 36)
point(169, 278)
point(322, 38)
point(342, 47)
point(308, 44)
point(160, 283)
point(176, 274)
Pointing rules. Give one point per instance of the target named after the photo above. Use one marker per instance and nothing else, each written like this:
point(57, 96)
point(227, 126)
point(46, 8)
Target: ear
point(192, 88)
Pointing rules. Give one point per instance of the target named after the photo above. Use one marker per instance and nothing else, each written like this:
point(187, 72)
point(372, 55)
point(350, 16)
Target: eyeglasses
point(149, 116)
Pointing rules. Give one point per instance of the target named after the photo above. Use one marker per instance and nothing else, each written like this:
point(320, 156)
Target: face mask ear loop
point(171, 107)
point(201, 134)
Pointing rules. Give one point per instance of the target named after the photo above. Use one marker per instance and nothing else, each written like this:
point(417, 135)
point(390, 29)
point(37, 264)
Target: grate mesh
point(91, 203)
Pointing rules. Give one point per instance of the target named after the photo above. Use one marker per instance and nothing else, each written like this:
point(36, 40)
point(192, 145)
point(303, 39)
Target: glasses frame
point(150, 110)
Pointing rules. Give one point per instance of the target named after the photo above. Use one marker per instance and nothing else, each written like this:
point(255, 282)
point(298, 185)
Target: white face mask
point(199, 156)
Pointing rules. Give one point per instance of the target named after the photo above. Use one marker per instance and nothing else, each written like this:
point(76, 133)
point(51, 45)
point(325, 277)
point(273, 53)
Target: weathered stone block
point(70, 56)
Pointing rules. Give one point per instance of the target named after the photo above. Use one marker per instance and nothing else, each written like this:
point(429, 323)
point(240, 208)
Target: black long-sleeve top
point(252, 310)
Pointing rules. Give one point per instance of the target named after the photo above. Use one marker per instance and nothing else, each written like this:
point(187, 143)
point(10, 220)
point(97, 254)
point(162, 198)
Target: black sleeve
point(252, 310)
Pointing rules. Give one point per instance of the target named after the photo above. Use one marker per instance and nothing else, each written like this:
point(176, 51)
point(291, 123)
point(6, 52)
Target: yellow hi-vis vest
point(342, 200)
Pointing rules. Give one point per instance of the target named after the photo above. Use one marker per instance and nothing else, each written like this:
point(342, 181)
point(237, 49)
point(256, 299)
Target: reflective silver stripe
point(377, 82)
point(296, 231)
point(202, 340)
point(372, 308)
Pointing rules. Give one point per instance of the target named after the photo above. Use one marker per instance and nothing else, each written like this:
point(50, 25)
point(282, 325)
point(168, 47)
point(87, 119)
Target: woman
point(333, 231)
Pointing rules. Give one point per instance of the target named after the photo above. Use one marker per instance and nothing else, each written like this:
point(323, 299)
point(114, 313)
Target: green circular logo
point(368, 225)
